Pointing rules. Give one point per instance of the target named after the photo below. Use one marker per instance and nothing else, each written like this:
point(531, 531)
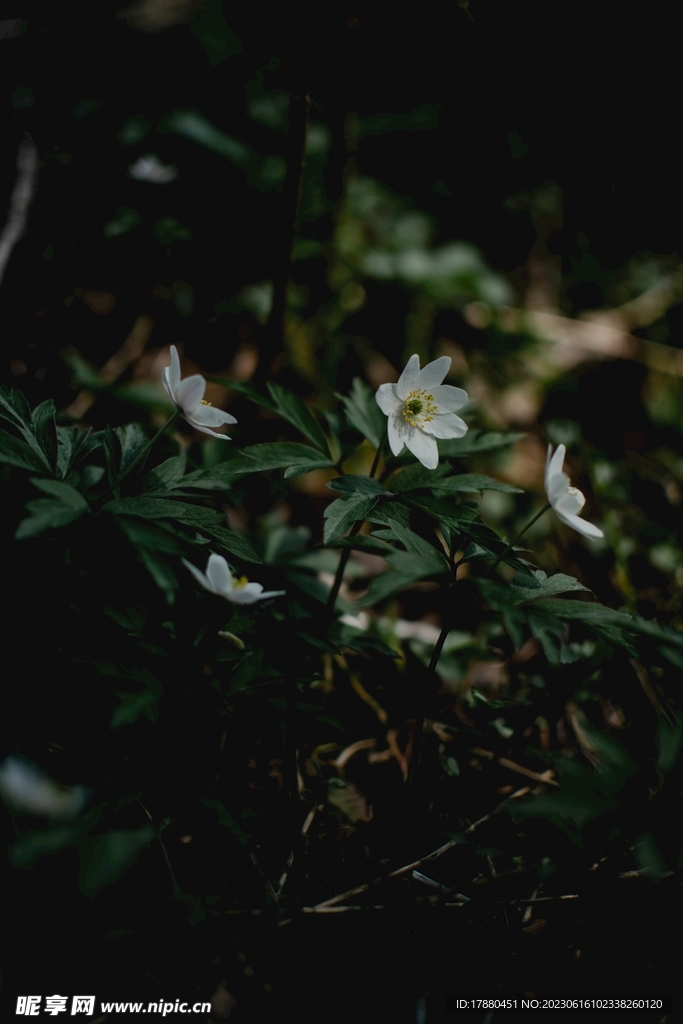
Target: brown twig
point(434, 855)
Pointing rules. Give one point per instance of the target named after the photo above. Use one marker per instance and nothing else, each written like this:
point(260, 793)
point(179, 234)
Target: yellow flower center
point(204, 402)
point(419, 408)
point(241, 583)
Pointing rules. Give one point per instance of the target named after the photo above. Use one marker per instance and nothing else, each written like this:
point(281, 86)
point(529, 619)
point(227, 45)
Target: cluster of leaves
point(115, 518)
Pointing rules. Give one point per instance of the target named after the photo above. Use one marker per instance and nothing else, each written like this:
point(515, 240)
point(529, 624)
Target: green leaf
point(161, 573)
point(63, 507)
point(132, 439)
point(107, 857)
point(501, 595)
point(248, 390)
point(44, 424)
point(133, 706)
point(350, 484)
point(166, 475)
point(42, 842)
point(292, 409)
point(384, 585)
point(475, 442)
point(343, 513)
point(416, 544)
point(203, 519)
point(16, 452)
point(279, 455)
point(470, 482)
point(362, 543)
point(415, 477)
point(457, 517)
point(14, 406)
point(363, 413)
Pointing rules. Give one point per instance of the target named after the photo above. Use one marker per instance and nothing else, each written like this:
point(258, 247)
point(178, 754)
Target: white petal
point(395, 428)
point(581, 526)
point(433, 373)
point(199, 575)
point(219, 575)
point(407, 382)
point(557, 461)
point(174, 371)
point(423, 448)
point(449, 399)
point(249, 594)
point(206, 430)
point(272, 593)
point(165, 381)
point(387, 399)
point(189, 393)
point(208, 416)
point(448, 425)
point(570, 503)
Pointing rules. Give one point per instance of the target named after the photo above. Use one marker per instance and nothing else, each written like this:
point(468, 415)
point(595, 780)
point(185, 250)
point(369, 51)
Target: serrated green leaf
point(351, 484)
point(384, 586)
point(164, 476)
point(363, 413)
point(44, 426)
point(343, 513)
point(203, 519)
point(293, 409)
point(470, 482)
point(64, 506)
point(475, 442)
point(15, 452)
point(279, 455)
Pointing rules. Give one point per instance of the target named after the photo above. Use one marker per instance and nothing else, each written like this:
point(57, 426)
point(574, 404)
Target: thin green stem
point(346, 553)
point(419, 735)
point(519, 535)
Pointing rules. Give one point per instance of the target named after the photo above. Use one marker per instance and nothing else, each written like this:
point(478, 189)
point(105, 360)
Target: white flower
point(567, 501)
point(219, 580)
point(420, 409)
point(150, 168)
point(26, 787)
point(188, 396)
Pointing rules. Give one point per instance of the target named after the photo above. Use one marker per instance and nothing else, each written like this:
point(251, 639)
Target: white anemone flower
point(420, 408)
point(188, 396)
point(567, 501)
point(25, 787)
point(219, 580)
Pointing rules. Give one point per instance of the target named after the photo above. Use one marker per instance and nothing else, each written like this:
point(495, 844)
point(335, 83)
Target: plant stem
point(346, 553)
point(150, 444)
point(419, 736)
point(273, 340)
point(520, 534)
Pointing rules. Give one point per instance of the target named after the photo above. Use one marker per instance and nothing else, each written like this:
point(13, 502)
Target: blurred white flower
point(188, 395)
point(567, 501)
point(25, 787)
point(150, 168)
point(219, 580)
point(420, 408)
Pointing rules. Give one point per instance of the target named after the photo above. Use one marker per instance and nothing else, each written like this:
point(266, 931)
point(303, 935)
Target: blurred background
point(495, 183)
